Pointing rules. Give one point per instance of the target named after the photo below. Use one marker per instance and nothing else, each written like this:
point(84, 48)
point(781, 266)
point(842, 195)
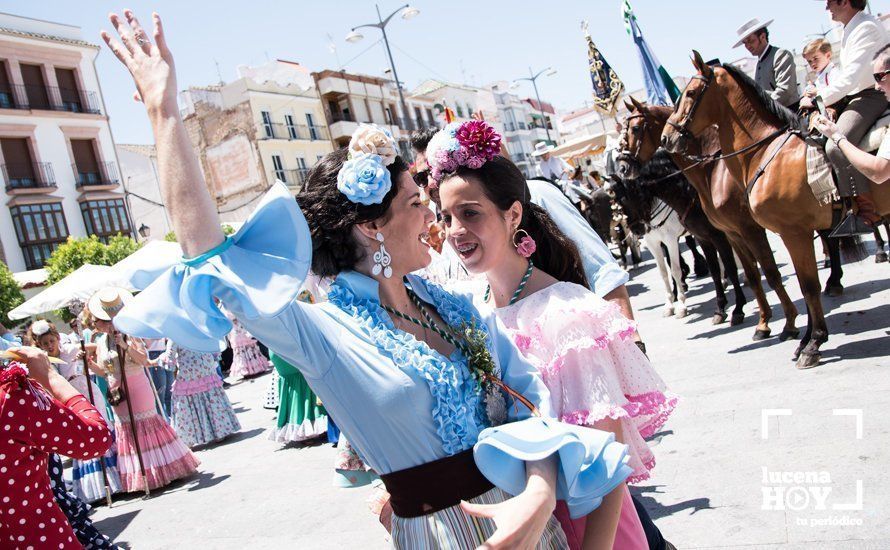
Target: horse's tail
point(852, 249)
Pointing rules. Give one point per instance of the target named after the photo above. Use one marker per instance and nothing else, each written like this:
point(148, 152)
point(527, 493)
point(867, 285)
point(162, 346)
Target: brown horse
point(722, 200)
point(770, 162)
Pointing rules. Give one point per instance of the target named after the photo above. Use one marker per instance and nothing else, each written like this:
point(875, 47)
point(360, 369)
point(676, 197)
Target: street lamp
point(144, 231)
point(533, 77)
point(354, 36)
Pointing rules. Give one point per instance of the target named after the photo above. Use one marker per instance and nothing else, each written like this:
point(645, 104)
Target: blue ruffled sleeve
point(256, 273)
point(591, 462)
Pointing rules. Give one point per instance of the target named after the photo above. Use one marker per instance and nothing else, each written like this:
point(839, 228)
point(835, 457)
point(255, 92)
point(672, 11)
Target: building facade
point(465, 102)
point(351, 99)
point(57, 155)
point(525, 123)
point(265, 126)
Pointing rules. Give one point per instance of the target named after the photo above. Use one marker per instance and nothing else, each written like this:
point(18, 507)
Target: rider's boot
point(861, 223)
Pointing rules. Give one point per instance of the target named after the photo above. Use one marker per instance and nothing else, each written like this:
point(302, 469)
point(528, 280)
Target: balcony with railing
point(48, 98)
point(294, 178)
point(291, 132)
point(104, 175)
point(29, 177)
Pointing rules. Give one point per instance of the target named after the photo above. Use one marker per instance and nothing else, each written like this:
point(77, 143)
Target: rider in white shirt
point(858, 103)
point(875, 167)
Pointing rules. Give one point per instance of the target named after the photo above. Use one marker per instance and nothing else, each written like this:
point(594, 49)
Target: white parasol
point(79, 285)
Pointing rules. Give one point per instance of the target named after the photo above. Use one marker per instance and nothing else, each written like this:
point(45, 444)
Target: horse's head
point(634, 203)
point(695, 110)
point(639, 141)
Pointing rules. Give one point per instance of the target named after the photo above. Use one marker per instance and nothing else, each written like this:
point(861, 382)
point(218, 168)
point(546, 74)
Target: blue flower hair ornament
point(364, 177)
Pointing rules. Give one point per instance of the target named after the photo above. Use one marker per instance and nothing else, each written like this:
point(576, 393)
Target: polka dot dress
point(33, 425)
point(75, 510)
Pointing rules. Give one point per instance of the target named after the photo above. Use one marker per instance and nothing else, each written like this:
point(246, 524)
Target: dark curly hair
point(503, 183)
point(331, 216)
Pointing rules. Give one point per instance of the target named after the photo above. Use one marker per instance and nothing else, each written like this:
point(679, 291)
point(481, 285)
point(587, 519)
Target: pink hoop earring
point(526, 245)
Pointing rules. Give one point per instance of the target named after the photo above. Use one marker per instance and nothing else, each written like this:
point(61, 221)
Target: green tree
point(10, 296)
point(170, 237)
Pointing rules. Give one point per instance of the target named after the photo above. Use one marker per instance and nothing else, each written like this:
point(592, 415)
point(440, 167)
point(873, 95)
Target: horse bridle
point(639, 145)
point(681, 127)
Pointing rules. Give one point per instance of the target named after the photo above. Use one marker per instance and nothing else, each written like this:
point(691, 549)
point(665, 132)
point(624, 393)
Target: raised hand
point(150, 63)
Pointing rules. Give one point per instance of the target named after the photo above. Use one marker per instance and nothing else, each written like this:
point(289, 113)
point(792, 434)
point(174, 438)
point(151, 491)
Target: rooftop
point(38, 29)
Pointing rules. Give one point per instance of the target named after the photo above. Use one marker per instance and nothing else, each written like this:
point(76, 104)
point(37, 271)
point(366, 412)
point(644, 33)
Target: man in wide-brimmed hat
point(776, 72)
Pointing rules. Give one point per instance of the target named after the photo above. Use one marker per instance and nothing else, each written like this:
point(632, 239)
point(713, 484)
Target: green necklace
point(519, 289)
point(472, 342)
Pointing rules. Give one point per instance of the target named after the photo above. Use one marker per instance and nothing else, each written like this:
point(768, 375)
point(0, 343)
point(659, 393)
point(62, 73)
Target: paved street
point(717, 467)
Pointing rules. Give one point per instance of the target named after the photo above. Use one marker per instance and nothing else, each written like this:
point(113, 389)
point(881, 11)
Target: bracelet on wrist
point(838, 138)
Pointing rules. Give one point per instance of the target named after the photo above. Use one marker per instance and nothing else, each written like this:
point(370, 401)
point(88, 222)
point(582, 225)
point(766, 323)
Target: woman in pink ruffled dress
point(247, 360)
point(581, 344)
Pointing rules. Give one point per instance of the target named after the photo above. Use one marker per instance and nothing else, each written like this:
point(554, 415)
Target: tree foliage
point(10, 296)
point(87, 250)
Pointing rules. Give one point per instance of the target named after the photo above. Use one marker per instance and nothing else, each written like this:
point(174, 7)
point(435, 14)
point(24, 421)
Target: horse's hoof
point(789, 334)
point(668, 313)
point(881, 257)
point(796, 354)
point(834, 291)
point(808, 360)
point(737, 319)
point(718, 318)
point(761, 334)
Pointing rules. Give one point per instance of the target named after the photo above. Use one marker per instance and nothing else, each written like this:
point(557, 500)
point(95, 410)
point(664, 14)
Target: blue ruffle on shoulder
point(591, 462)
point(258, 275)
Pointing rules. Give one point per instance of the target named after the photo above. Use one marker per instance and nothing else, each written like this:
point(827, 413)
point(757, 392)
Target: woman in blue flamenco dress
point(432, 394)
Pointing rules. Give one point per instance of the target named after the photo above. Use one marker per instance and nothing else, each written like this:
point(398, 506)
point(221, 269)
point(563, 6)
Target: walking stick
point(122, 359)
point(86, 373)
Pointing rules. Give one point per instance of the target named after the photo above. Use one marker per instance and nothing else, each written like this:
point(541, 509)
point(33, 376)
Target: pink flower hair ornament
point(470, 144)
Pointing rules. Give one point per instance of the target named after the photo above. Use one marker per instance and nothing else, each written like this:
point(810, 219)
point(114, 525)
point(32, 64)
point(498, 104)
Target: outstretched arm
point(875, 168)
point(150, 63)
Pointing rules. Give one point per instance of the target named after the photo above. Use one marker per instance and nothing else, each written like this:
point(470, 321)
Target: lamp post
point(533, 77)
point(144, 231)
point(408, 12)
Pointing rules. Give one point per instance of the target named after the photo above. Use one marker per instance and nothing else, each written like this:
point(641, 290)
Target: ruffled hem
point(257, 277)
point(654, 408)
point(190, 387)
point(591, 462)
point(87, 481)
point(204, 418)
point(160, 476)
point(308, 429)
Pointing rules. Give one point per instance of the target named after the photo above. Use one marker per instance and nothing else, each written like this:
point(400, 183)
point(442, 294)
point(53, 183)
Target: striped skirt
point(451, 529)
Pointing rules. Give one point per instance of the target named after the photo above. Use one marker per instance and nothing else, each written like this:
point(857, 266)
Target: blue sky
point(460, 40)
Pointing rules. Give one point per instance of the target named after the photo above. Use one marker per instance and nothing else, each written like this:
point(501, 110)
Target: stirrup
point(851, 226)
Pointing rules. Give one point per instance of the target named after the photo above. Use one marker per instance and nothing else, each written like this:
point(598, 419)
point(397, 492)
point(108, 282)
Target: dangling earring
point(524, 243)
point(382, 260)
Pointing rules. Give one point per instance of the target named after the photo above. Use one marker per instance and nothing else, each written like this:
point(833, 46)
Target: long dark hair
point(331, 216)
point(504, 184)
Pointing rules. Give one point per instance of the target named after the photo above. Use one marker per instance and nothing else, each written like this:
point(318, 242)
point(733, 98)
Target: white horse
point(666, 229)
